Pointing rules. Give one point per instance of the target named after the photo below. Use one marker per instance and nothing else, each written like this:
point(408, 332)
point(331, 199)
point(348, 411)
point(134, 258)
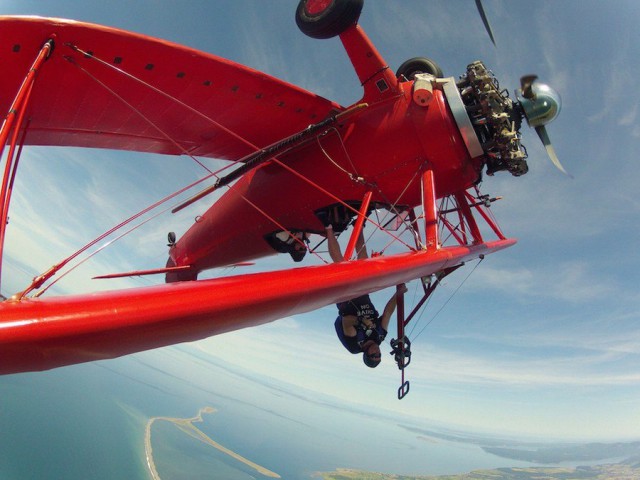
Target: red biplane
point(414, 147)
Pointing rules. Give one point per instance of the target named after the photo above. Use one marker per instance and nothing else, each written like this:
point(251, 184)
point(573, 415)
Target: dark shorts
point(350, 343)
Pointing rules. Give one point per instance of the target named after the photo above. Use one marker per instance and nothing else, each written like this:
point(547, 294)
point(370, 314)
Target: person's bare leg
point(334, 247)
point(361, 247)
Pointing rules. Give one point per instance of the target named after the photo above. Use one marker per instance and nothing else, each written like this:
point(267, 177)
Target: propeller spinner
point(540, 104)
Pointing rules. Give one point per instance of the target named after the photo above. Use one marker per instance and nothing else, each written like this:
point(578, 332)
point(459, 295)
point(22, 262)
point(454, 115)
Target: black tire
point(334, 19)
point(416, 65)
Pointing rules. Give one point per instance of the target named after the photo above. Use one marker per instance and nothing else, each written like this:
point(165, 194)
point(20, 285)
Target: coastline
point(616, 471)
point(187, 426)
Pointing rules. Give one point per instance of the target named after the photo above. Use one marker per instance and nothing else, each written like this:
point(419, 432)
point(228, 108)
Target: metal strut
point(357, 228)
point(430, 209)
point(13, 121)
point(401, 347)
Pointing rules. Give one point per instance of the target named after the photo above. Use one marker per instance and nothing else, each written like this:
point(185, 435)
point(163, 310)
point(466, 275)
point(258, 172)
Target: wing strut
point(357, 228)
point(16, 111)
point(430, 209)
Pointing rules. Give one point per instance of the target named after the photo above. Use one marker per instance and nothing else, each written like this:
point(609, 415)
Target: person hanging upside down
point(359, 326)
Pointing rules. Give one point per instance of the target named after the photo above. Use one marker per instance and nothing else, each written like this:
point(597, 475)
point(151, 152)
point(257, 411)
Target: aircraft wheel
point(416, 65)
point(327, 18)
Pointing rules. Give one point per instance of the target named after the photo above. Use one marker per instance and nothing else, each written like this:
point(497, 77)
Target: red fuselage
point(386, 145)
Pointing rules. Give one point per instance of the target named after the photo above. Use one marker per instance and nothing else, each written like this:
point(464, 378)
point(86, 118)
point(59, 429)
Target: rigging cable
point(39, 280)
point(161, 92)
point(353, 176)
point(450, 298)
point(340, 201)
point(138, 112)
point(394, 210)
point(164, 134)
point(391, 209)
point(278, 224)
point(98, 250)
point(193, 110)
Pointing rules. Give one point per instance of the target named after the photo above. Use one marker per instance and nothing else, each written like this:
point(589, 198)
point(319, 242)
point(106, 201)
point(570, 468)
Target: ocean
point(89, 421)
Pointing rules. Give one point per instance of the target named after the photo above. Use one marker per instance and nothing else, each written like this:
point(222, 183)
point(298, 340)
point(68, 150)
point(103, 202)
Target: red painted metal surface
point(39, 334)
point(385, 145)
point(357, 228)
point(220, 107)
point(377, 154)
point(13, 122)
point(430, 209)
point(378, 80)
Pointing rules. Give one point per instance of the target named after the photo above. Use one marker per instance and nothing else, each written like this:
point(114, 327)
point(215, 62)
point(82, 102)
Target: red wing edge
point(40, 334)
point(107, 88)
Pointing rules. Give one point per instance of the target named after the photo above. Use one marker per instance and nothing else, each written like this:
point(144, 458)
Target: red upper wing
point(79, 101)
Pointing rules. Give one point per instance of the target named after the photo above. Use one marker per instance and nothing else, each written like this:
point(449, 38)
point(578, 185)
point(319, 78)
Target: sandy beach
point(187, 426)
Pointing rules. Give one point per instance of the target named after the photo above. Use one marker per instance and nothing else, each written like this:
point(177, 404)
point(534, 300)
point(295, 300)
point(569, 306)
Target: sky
point(542, 339)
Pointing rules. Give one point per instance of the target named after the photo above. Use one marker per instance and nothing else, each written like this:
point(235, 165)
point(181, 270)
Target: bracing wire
point(98, 250)
point(354, 176)
point(448, 299)
point(211, 174)
point(138, 112)
point(161, 92)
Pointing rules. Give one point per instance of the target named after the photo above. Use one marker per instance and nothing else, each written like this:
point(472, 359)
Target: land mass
point(187, 426)
point(537, 452)
point(572, 453)
point(618, 471)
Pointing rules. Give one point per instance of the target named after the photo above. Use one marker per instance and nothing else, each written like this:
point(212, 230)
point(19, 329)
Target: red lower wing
point(39, 334)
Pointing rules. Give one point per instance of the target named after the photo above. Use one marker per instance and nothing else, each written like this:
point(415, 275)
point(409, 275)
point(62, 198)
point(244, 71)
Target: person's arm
point(349, 324)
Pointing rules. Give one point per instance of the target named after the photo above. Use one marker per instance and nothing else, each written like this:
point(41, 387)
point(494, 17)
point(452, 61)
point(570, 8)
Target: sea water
point(88, 421)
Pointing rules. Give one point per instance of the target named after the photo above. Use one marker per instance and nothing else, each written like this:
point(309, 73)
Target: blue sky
point(542, 339)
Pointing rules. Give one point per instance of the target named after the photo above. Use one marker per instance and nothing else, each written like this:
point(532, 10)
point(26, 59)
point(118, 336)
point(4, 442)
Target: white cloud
point(64, 198)
point(570, 281)
point(293, 350)
point(545, 209)
point(608, 339)
point(448, 367)
point(629, 118)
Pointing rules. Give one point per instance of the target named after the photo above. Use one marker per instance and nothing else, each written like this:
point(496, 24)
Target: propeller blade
point(485, 20)
point(525, 85)
point(542, 133)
